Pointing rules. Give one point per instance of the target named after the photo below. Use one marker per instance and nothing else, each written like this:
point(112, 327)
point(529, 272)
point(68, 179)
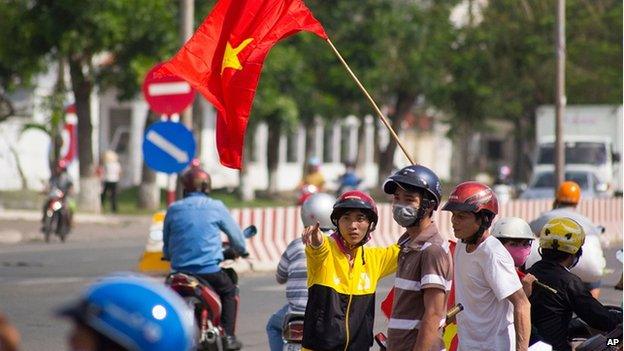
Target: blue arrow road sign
point(168, 147)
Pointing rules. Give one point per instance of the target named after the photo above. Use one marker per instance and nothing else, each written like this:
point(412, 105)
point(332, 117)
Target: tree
point(274, 103)
point(516, 75)
point(128, 32)
point(395, 47)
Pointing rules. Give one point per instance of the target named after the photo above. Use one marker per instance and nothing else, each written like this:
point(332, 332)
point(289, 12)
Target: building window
point(119, 129)
point(495, 149)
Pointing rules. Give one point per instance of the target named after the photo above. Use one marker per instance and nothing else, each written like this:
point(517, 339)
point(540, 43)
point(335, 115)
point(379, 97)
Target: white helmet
point(318, 208)
point(512, 228)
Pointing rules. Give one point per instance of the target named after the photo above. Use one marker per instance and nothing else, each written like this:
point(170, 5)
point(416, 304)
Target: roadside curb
point(35, 216)
point(10, 236)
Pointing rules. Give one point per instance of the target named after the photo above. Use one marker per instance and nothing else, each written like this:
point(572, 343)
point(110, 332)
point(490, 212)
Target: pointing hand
point(312, 235)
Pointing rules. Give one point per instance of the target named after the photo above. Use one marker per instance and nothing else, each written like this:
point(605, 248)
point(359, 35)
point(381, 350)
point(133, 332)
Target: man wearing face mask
point(424, 274)
point(560, 244)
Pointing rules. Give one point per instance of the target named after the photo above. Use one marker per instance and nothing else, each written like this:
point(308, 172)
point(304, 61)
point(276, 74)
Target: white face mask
point(405, 215)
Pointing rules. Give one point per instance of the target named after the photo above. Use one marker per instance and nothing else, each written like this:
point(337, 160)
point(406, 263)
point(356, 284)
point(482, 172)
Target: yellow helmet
point(562, 234)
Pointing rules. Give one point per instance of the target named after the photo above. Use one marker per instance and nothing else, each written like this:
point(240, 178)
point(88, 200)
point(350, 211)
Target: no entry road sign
point(167, 94)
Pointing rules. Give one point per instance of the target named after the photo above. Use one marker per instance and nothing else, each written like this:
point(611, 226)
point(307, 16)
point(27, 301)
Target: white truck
point(592, 137)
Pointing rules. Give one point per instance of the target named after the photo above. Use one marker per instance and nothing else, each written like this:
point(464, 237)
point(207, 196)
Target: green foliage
point(594, 49)
point(22, 49)
point(134, 35)
point(406, 53)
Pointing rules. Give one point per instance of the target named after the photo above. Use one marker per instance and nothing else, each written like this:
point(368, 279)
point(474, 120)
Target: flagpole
point(371, 101)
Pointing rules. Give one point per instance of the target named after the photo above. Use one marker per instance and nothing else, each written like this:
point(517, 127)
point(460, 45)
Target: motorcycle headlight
point(57, 206)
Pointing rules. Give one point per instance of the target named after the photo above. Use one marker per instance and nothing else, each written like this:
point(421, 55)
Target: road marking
point(167, 146)
point(173, 88)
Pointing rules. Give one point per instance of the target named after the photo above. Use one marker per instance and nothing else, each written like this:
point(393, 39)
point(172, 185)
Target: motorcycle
point(582, 337)
point(305, 192)
point(204, 301)
point(55, 218)
point(292, 331)
point(611, 341)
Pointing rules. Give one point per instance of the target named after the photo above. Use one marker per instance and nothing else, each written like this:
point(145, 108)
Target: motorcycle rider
point(592, 264)
point(516, 236)
point(560, 243)
point(192, 242)
point(313, 174)
point(120, 313)
point(425, 266)
point(60, 179)
point(348, 180)
point(496, 309)
point(343, 276)
point(292, 268)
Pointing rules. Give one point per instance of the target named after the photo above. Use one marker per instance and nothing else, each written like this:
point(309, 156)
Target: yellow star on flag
point(230, 56)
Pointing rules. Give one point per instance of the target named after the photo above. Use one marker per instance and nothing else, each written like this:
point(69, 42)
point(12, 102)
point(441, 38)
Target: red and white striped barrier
point(277, 226)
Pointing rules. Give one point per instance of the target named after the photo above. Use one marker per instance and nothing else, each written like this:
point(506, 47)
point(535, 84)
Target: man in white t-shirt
point(496, 313)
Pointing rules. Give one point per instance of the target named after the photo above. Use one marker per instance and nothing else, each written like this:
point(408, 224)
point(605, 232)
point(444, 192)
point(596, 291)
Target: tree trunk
point(526, 129)
point(82, 86)
point(273, 155)
point(403, 105)
point(466, 159)
point(18, 165)
point(149, 193)
point(57, 107)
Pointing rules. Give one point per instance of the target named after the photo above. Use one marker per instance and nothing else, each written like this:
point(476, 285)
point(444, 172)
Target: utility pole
point(560, 97)
point(187, 11)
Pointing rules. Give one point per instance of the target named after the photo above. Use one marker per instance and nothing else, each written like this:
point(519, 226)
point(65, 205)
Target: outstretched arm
point(232, 230)
point(317, 248)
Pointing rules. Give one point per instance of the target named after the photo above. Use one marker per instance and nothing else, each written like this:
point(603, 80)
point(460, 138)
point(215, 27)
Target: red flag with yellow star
point(223, 60)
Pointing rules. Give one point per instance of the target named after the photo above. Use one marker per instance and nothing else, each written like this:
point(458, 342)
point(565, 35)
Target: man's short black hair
point(555, 255)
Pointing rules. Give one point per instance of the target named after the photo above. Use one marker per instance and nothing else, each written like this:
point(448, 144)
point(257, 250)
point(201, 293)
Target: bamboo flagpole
point(371, 101)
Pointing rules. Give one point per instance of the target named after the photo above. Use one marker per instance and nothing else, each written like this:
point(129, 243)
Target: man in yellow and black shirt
point(342, 277)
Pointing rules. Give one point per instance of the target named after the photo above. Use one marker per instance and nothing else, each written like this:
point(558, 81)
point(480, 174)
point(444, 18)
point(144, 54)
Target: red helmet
point(62, 165)
point(355, 200)
point(472, 197)
point(196, 179)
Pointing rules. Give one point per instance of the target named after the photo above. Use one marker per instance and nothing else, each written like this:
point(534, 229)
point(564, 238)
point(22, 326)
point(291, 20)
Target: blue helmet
point(416, 177)
point(136, 313)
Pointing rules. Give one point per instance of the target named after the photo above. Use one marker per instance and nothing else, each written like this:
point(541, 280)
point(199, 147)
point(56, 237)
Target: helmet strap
point(420, 213)
point(422, 210)
point(577, 257)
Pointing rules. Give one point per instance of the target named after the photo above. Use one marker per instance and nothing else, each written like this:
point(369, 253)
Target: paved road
point(35, 278)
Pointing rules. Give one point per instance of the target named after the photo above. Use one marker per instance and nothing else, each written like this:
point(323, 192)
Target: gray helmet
point(512, 228)
point(318, 208)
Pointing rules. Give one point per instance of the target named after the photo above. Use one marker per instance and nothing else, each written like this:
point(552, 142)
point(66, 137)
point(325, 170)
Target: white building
point(120, 125)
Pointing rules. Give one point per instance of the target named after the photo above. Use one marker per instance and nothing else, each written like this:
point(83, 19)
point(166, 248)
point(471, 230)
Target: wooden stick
point(371, 101)
point(552, 290)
